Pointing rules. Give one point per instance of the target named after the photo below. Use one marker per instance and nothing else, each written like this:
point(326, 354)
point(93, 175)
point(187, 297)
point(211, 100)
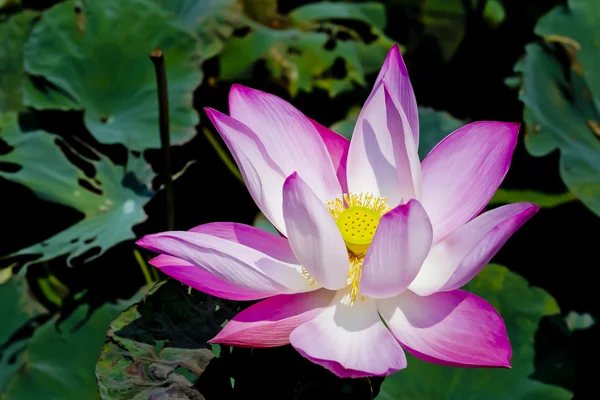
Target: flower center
point(357, 217)
point(358, 225)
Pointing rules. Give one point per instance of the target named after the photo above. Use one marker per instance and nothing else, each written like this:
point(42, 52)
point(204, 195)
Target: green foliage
point(18, 308)
point(211, 21)
point(562, 101)
point(57, 362)
point(544, 200)
point(13, 32)
point(97, 61)
point(300, 50)
point(111, 200)
point(158, 347)
point(521, 307)
point(446, 20)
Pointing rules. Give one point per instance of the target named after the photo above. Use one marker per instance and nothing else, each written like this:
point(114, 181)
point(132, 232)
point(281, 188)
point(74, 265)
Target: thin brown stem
point(158, 60)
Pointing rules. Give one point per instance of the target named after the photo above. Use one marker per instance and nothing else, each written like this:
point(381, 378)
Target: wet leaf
point(111, 201)
point(13, 32)
point(97, 60)
point(211, 21)
point(562, 101)
point(313, 47)
point(158, 347)
point(521, 307)
point(57, 362)
point(18, 309)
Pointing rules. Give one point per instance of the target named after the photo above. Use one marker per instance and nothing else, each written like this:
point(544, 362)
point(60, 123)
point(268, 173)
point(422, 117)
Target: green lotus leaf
point(211, 20)
point(301, 52)
point(19, 309)
point(13, 32)
point(97, 60)
point(562, 101)
point(57, 362)
point(111, 201)
point(158, 347)
point(521, 307)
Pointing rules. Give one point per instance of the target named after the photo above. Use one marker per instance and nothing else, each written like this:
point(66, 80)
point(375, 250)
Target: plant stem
point(143, 266)
point(223, 154)
point(158, 60)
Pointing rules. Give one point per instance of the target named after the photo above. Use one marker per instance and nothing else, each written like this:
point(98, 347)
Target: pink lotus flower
point(368, 233)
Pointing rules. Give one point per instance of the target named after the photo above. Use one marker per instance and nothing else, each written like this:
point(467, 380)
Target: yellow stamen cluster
point(357, 216)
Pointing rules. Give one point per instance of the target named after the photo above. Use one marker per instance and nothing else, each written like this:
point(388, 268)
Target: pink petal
point(401, 243)
point(288, 136)
point(272, 245)
point(462, 173)
point(202, 280)
point(383, 158)
point(337, 147)
point(232, 262)
point(461, 255)
point(313, 235)
point(262, 175)
point(395, 73)
point(453, 328)
point(270, 322)
point(350, 341)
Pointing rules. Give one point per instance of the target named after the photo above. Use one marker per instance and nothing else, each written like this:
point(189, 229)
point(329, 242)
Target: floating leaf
point(111, 201)
point(158, 347)
point(211, 20)
point(17, 310)
point(562, 101)
point(59, 360)
point(521, 307)
point(13, 32)
point(99, 60)
point(303, 49)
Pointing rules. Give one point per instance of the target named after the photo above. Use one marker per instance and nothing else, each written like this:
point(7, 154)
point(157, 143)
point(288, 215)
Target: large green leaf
point(111, 201)
point(211, 20)
point(18, 310)
point(562, 101)
point(58, 361)
point(99, 59)
point(521, 307)
point(13, 32)
point(158, 347)
point(302, 53)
